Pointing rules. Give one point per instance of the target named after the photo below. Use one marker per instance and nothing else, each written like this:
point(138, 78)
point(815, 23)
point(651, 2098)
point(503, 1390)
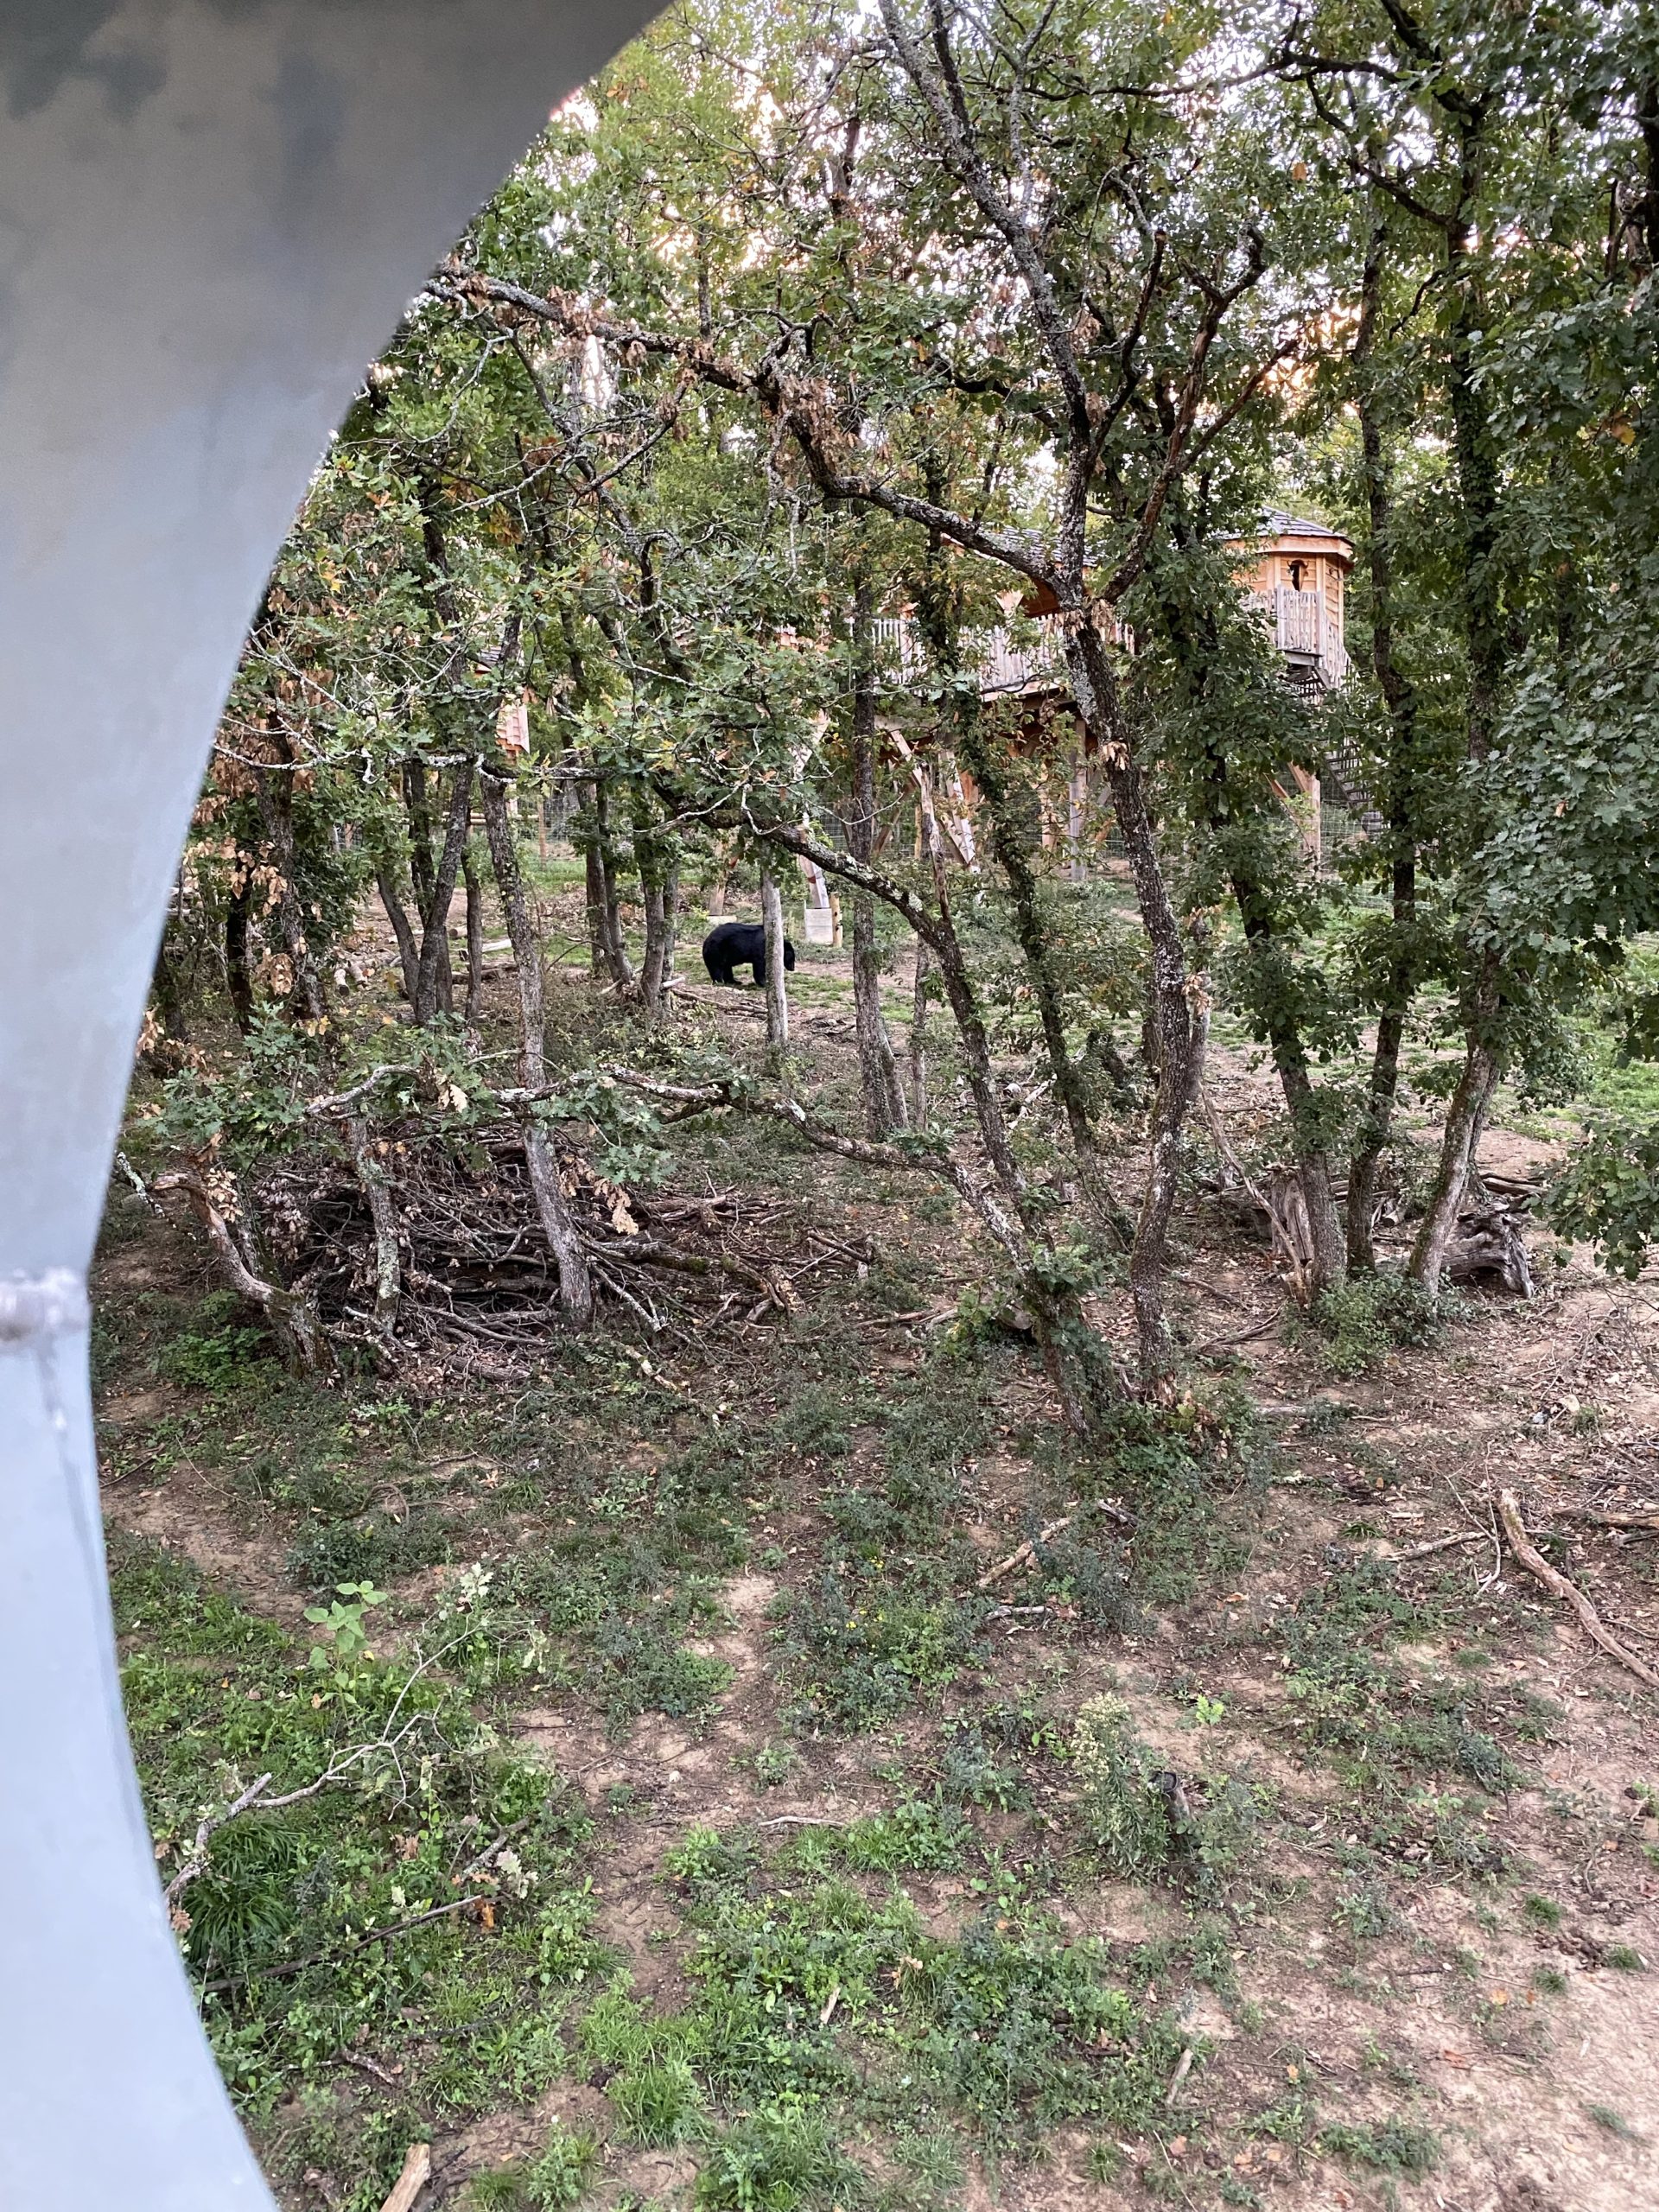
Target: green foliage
point(219, 1352)
point(913, 1838)
point(418, 1789)
point(1615, 2122)
point(168, 1601)
point(553, 2181)
point(1354, 1324)
point(342, 1622)
point(657, 2103)
point(1142, 1817)
point(1348, 1696)
point(776, 2162)
point(864, 1654)
point(1387, 2146)
point(1608, 1192)
point(374, 1544)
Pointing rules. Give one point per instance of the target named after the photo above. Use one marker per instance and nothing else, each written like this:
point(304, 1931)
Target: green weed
point(1355, 1325)
point(220, 1351)
point(1614, 2122)
point(1388, 2147)
point(776, 2161)
point(657, 2103)
point(1143, 1818)
point(552, 2182)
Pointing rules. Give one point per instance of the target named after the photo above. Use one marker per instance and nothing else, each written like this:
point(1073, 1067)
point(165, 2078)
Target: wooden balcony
point(1005, 663)
point(1033, 658)
point(1304, 632)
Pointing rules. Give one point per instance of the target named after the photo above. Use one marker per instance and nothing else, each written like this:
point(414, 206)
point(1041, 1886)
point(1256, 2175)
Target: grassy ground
point(709, 1823)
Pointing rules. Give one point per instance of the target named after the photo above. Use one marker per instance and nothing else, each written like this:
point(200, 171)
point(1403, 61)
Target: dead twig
point(1024, 1553)
point(1183, 2067)
point(137, 1182)
point(1438, 1544)
point(1237, 1336)
point(196, 1856)
point(361, 1943)
point(935, 1317)
point(1538, 1566)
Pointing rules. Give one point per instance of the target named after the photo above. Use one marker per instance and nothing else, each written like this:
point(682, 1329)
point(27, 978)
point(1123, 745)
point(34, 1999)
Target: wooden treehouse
point(1295, 572)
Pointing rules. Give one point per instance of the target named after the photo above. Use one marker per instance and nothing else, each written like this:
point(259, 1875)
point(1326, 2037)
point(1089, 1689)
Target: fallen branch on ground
point(1508, 1512)
point(1438, 1544)
point(417, 2168)
point(1023, 1552)
point(361, 1943)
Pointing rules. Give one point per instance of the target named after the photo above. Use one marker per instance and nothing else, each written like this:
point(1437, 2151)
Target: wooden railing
point(1033, 656)
point(1003, 661)
point(1303, 630)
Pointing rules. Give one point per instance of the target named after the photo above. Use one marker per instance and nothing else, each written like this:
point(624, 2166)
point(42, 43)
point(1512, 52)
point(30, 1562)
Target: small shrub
point(1126, 1813)
point(914, 1839)
point(552, 2182)
point(659, 2104)
point(970, 1772)
point(367, 1549)
point(1614, 2122)
point(867, 1648)
point(1355, 1323)
point(1388, 2147)
point(218, 1352)
point(1142, 1817)
point(775, 2162)
point(771, 1764)
point(1366, 1911)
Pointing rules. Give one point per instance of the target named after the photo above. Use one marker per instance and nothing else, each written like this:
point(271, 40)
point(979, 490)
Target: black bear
point(738, 944)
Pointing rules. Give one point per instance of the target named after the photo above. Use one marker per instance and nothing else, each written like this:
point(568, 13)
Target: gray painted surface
point(211, 213)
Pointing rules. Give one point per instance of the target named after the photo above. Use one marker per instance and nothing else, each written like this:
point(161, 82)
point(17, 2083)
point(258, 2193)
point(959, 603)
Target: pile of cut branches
point(476, 1280)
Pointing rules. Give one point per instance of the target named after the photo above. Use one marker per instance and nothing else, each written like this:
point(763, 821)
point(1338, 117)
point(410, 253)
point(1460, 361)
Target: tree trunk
point(611, 938)
point(877, 1078)
point(655, 857)
point(434, 987)
point(657, 967)
point(772, 916)
point(1172, 1022)
point(239, 983)
point(918, 1040)
point(408, 953)
point(276, 804)
point(167, 988)
point(671, 920)
point(1464, 1120)
point(1375, 1124)
point(475, 938)
point(388, 1270)
point(1399, 697)
point(423, 875)
point(1031, 929)
point(558, 1224)
point(595, 902)
point(292, 1316)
